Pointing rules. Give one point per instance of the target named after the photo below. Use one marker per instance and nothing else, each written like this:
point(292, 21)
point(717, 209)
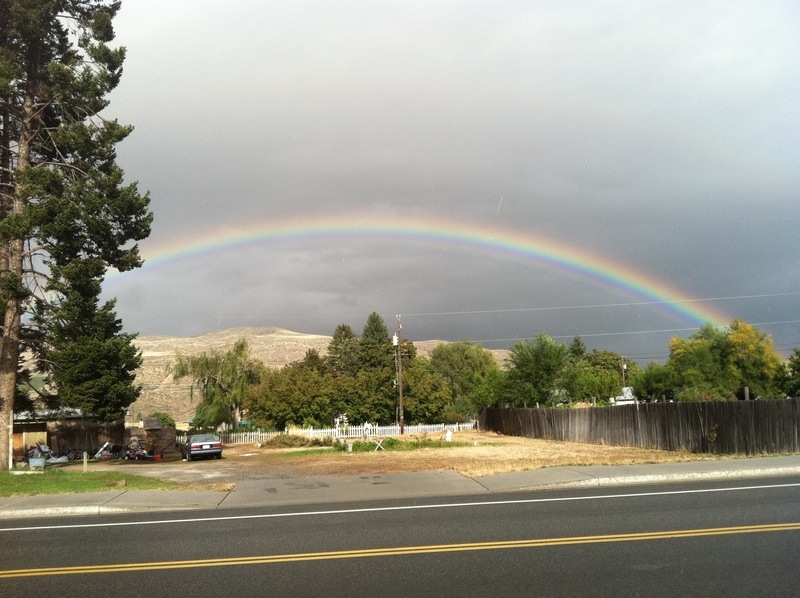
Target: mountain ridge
point(276, 347)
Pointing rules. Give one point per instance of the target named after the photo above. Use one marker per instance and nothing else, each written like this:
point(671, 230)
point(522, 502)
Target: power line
point(524, 309)
point(599, 305)
point(591, 335)
point(630, 332)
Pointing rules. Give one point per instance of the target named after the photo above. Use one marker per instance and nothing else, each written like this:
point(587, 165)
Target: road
point(731, 539)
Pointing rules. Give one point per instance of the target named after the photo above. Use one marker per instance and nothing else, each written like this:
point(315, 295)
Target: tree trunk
point(11, 261)
point(9, 356)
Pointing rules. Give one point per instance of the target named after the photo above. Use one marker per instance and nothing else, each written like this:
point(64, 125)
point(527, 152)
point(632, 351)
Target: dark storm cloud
point(660, 135)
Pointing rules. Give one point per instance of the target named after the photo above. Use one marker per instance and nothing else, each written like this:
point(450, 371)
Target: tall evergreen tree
point(343, 351)
point(375, 346)
point(375, 329)
point(578, 348)
point(62, 195)
point(377, 376)
point(91, 364)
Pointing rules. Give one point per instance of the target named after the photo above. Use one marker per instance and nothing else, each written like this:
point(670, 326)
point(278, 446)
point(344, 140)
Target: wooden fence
point(725, 427)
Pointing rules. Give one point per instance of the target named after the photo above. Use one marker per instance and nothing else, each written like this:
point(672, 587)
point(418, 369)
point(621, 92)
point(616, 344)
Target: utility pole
point(399, 361)
point(624, 367)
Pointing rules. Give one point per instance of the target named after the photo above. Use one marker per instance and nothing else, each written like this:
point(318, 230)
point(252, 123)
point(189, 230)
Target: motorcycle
point(136, 454)
point(72, 453)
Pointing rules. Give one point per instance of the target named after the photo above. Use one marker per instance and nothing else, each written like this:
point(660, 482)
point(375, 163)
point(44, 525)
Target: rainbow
point(641, 287)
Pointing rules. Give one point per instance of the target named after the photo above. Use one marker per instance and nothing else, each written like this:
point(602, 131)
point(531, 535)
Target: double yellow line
point(399, 551)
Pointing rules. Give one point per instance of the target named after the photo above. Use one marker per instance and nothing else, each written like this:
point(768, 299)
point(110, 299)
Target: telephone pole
point(399, 361)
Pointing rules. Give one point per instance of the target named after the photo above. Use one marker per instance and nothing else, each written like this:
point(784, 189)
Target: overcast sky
point(660, 136)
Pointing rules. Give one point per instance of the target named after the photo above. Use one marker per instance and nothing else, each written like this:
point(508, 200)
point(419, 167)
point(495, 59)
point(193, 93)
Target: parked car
point(202, 445)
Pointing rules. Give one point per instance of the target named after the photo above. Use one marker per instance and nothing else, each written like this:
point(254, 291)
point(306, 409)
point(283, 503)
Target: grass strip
point(58, 481)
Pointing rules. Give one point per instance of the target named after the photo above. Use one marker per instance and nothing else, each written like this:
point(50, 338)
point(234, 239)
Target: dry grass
point(481, 453)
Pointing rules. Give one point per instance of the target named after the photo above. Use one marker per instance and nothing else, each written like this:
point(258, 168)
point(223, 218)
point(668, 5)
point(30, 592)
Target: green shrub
point(294, 441)
point(165, 419)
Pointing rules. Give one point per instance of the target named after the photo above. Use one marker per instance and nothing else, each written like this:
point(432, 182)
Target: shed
point(61, 429)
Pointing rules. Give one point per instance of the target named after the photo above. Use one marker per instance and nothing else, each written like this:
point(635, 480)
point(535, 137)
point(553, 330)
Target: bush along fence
point(725, 427)
point(366, 430)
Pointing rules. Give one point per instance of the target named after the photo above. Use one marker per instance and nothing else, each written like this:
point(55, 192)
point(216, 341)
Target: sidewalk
point(344, 489)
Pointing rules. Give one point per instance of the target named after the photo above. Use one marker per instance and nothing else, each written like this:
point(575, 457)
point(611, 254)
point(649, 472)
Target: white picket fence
point(341, 432)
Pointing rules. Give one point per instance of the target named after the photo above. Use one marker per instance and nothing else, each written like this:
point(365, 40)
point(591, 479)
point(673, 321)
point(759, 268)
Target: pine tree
point(578, 348)
point(377, 373)
point(343, 351)
point(63, 199)
point(375, 346)
point(91, 364)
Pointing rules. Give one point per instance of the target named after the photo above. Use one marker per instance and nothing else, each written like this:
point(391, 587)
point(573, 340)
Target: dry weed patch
point(471, 454)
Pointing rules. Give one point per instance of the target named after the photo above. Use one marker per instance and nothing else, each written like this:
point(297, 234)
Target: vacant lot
point(472, 454)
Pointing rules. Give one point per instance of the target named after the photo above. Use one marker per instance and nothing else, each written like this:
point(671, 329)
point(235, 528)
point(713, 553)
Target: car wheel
point(219, 455)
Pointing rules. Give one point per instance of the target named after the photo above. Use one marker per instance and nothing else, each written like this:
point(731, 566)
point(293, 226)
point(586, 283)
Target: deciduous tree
point(654, 383)
point(536, 371)
point(467, 369)
point(426, 393)
point(753, 358)
point(725, 363)
point(791, 383)
point(297, 394)
point(222, 379)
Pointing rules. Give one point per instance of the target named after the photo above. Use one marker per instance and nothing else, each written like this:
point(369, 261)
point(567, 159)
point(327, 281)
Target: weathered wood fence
point(725, 427)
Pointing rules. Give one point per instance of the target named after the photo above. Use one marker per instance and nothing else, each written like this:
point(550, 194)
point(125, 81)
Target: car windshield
point(204, 438)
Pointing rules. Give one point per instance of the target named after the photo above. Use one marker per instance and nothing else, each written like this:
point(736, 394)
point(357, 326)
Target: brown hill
point(275, 347)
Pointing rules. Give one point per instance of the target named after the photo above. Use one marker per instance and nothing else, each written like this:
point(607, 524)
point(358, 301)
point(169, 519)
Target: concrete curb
point(685, 477)
point(60, 511)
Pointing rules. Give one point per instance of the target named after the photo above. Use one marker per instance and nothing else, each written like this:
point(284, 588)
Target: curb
point(675, 477)
point(45, 512)
point(56, 511)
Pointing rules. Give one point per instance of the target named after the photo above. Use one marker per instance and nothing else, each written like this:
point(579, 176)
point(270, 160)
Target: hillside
point(275, 347)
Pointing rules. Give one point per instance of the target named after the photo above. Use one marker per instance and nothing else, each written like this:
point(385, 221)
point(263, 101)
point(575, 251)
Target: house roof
point(39, 415)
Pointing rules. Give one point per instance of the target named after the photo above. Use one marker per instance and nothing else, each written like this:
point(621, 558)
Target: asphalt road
point(729, 539)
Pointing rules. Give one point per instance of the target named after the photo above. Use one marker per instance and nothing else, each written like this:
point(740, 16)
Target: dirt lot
point(473, 454)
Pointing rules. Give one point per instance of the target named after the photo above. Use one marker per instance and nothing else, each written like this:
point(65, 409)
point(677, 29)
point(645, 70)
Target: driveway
point(223, 471)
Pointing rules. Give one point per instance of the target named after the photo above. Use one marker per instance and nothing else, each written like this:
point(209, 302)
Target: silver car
point(202, 445)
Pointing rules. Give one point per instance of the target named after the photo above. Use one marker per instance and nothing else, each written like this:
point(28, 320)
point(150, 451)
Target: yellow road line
point(398, 551)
